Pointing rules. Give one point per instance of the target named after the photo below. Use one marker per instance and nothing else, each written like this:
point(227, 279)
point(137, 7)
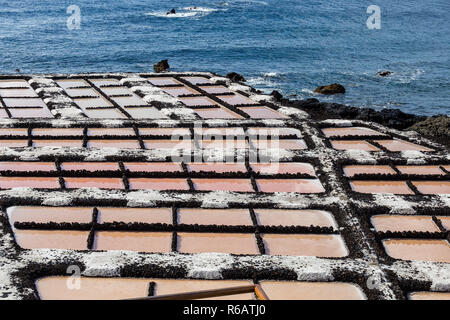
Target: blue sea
point(291, 46)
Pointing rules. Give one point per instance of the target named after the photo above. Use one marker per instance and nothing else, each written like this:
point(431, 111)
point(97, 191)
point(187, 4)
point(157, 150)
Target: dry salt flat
point(161, 184)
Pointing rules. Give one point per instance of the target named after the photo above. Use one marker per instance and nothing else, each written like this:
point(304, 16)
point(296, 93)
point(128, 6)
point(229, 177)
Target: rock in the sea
point(384, 73)
point(334, 88)
point(435, 126)
point(236, 77)
point(161, 66)
point(171, 11)
point(277, 95)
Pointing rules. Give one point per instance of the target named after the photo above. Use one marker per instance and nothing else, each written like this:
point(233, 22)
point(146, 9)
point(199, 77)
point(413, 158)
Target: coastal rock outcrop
point(171, 11)
point(276, 95)
point(436, 126)
point(236, 77)
point(161, 66)
point(334, 88)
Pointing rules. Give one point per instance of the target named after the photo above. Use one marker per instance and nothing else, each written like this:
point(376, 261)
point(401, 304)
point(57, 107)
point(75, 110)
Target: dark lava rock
point(384, 73)
point(171, 11)
point(437, 126)
point(334, 88)
point(393, 118)
point(236, 77)
point(277, 95)
point(161, 66)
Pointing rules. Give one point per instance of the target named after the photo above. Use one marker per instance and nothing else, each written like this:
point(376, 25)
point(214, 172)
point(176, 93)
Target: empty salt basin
point(20, 166)
point(99, 102)
point(216, 113)
point(115, 91)
point(287, 218)
point(57, 132)
point(400, 145)
point(216, 167)
point(262, 113)
point(56, 288)
point(14, 83)
point(132, 100)
point(13, 143)
point(432, 187)
point(105, 113)
point(19, 92)
point(295, 290)
point(163, 81)
point(350, 131)
point(122, 144)
point(145, 113)
point(237, 99)
point(82, 92)
point(223, 217)
point(197, 80)
point(288, 144)
point(179, 91)
point(98, 132)
point(105, 82)
point(24, 102)
point(135, 215)
point(172, 132)
point(235, 243)
point(274, 132)
point(398, 223)
point(215, 89)
point(102, 183)
point(353, 170)
point(90, 166)
point(54, 239)
point(395, 187)
point(72, 83)
point(275, 168)
point(427, 295)
point(49, 214)
point(420, 170)
point(198, 101)
point(158, 184)
point(290, 185)
point(353, 145)
point(13, 132)
point(305, 245)
point(30, 113)
point(236, 185)
point(418, 249)
point(29, 182)
point(151, 242)
point(153, 167)
point(57, 143)
point(208, 133)
point(223, 144)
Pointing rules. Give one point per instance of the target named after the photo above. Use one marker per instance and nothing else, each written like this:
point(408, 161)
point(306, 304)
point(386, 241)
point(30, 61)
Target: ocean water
point(291, 46)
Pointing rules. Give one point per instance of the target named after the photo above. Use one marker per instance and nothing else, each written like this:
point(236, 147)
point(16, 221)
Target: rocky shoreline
point(436, 128)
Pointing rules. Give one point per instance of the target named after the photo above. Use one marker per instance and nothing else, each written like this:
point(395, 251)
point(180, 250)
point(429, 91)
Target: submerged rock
point(334, 88)
point(236, 77)
point(161, 66)
point(384, 73)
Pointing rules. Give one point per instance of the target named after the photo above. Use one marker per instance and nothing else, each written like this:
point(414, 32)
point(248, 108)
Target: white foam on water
point(185, 12)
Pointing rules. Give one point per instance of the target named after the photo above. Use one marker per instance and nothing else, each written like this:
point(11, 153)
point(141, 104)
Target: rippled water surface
point(292, 46)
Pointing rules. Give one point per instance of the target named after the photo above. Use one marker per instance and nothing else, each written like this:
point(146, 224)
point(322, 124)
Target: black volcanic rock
point(171, 11)
point(384, 73)
point(393, 118)
point(334, 88)
point(277, 95)
point(161, 66)
point(438, 126)
point(236, 77)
